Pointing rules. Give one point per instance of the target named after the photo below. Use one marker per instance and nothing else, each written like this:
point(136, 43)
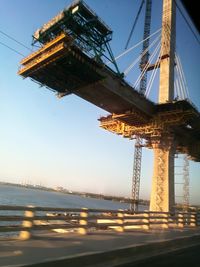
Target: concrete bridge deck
point(95, 249)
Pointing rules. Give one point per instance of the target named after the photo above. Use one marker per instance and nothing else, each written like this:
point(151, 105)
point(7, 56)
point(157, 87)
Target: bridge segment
point(64, 66)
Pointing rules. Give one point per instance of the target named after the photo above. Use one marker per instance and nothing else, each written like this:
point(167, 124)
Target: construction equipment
point(183, 180)
point(142, 89)
point(65, 66)
point(85, 28)
point(186, 184)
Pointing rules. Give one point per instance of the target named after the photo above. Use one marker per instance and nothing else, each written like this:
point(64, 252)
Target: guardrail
point(29, 220)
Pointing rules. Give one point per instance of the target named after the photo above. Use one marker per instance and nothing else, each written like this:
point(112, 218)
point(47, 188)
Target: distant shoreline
point(82, 194)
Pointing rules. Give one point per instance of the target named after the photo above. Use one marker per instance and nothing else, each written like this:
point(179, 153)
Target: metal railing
point(27, 220)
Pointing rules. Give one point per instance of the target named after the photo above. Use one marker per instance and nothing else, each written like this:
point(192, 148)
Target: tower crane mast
point(142, 89)
point(145, 57)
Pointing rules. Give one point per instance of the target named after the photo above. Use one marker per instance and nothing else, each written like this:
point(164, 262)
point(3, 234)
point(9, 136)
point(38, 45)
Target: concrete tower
point(162, 194)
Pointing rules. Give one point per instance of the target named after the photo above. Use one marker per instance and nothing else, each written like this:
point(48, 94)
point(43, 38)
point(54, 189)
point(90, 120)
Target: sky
point(58, 142)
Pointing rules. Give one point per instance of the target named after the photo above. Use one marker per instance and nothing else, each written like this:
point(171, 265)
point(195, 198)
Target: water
point(13, 195)
point(21, 196)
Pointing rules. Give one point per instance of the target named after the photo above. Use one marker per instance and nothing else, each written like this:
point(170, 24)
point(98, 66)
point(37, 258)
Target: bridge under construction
point(70, 62)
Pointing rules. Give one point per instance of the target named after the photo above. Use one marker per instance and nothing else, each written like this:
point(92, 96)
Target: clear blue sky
point(58, 142)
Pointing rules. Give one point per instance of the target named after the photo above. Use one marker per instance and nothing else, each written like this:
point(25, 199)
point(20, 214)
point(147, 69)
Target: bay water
point(22, 196)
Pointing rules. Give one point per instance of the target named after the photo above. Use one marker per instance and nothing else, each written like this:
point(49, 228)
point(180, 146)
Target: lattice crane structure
point(71, 61)
point(186, 184)
point(142, 89)
point(183, 181)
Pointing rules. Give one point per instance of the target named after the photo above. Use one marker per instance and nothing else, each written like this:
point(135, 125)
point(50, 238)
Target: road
point(183, 258)
point(105, 249)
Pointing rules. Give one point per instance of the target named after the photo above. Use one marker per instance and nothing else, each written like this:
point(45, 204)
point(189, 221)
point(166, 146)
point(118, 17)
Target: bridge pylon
point(162, 193)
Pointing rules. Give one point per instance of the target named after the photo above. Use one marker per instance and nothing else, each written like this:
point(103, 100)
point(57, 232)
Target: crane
point(142, 89)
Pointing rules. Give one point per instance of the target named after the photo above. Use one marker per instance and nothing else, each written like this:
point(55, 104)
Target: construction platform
point(179, 120)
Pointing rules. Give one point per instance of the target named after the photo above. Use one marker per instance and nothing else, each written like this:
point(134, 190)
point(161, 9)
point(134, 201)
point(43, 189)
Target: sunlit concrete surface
point(95, 249)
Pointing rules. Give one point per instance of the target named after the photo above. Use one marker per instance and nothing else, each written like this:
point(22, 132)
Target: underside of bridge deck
point(65, 69)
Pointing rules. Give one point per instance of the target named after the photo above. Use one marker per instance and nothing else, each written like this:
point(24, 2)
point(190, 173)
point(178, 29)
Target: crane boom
point(134, 24)
point(145, 57)
point(142, 89)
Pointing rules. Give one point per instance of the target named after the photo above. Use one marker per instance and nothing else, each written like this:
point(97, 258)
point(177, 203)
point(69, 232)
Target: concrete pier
point(162, 193)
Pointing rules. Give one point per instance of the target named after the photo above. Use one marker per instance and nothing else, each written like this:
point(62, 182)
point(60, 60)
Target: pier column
point(162, 193)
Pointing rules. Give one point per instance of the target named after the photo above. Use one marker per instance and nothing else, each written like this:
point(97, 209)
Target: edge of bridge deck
point(96, 249)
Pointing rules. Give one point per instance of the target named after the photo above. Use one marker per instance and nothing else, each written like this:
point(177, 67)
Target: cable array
point(187, 22)
point(12, 49)
point(16, 41)
point(153, 74)
point(181, 89)
point(139, 58)
point(134, 46)
point(147, 65)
